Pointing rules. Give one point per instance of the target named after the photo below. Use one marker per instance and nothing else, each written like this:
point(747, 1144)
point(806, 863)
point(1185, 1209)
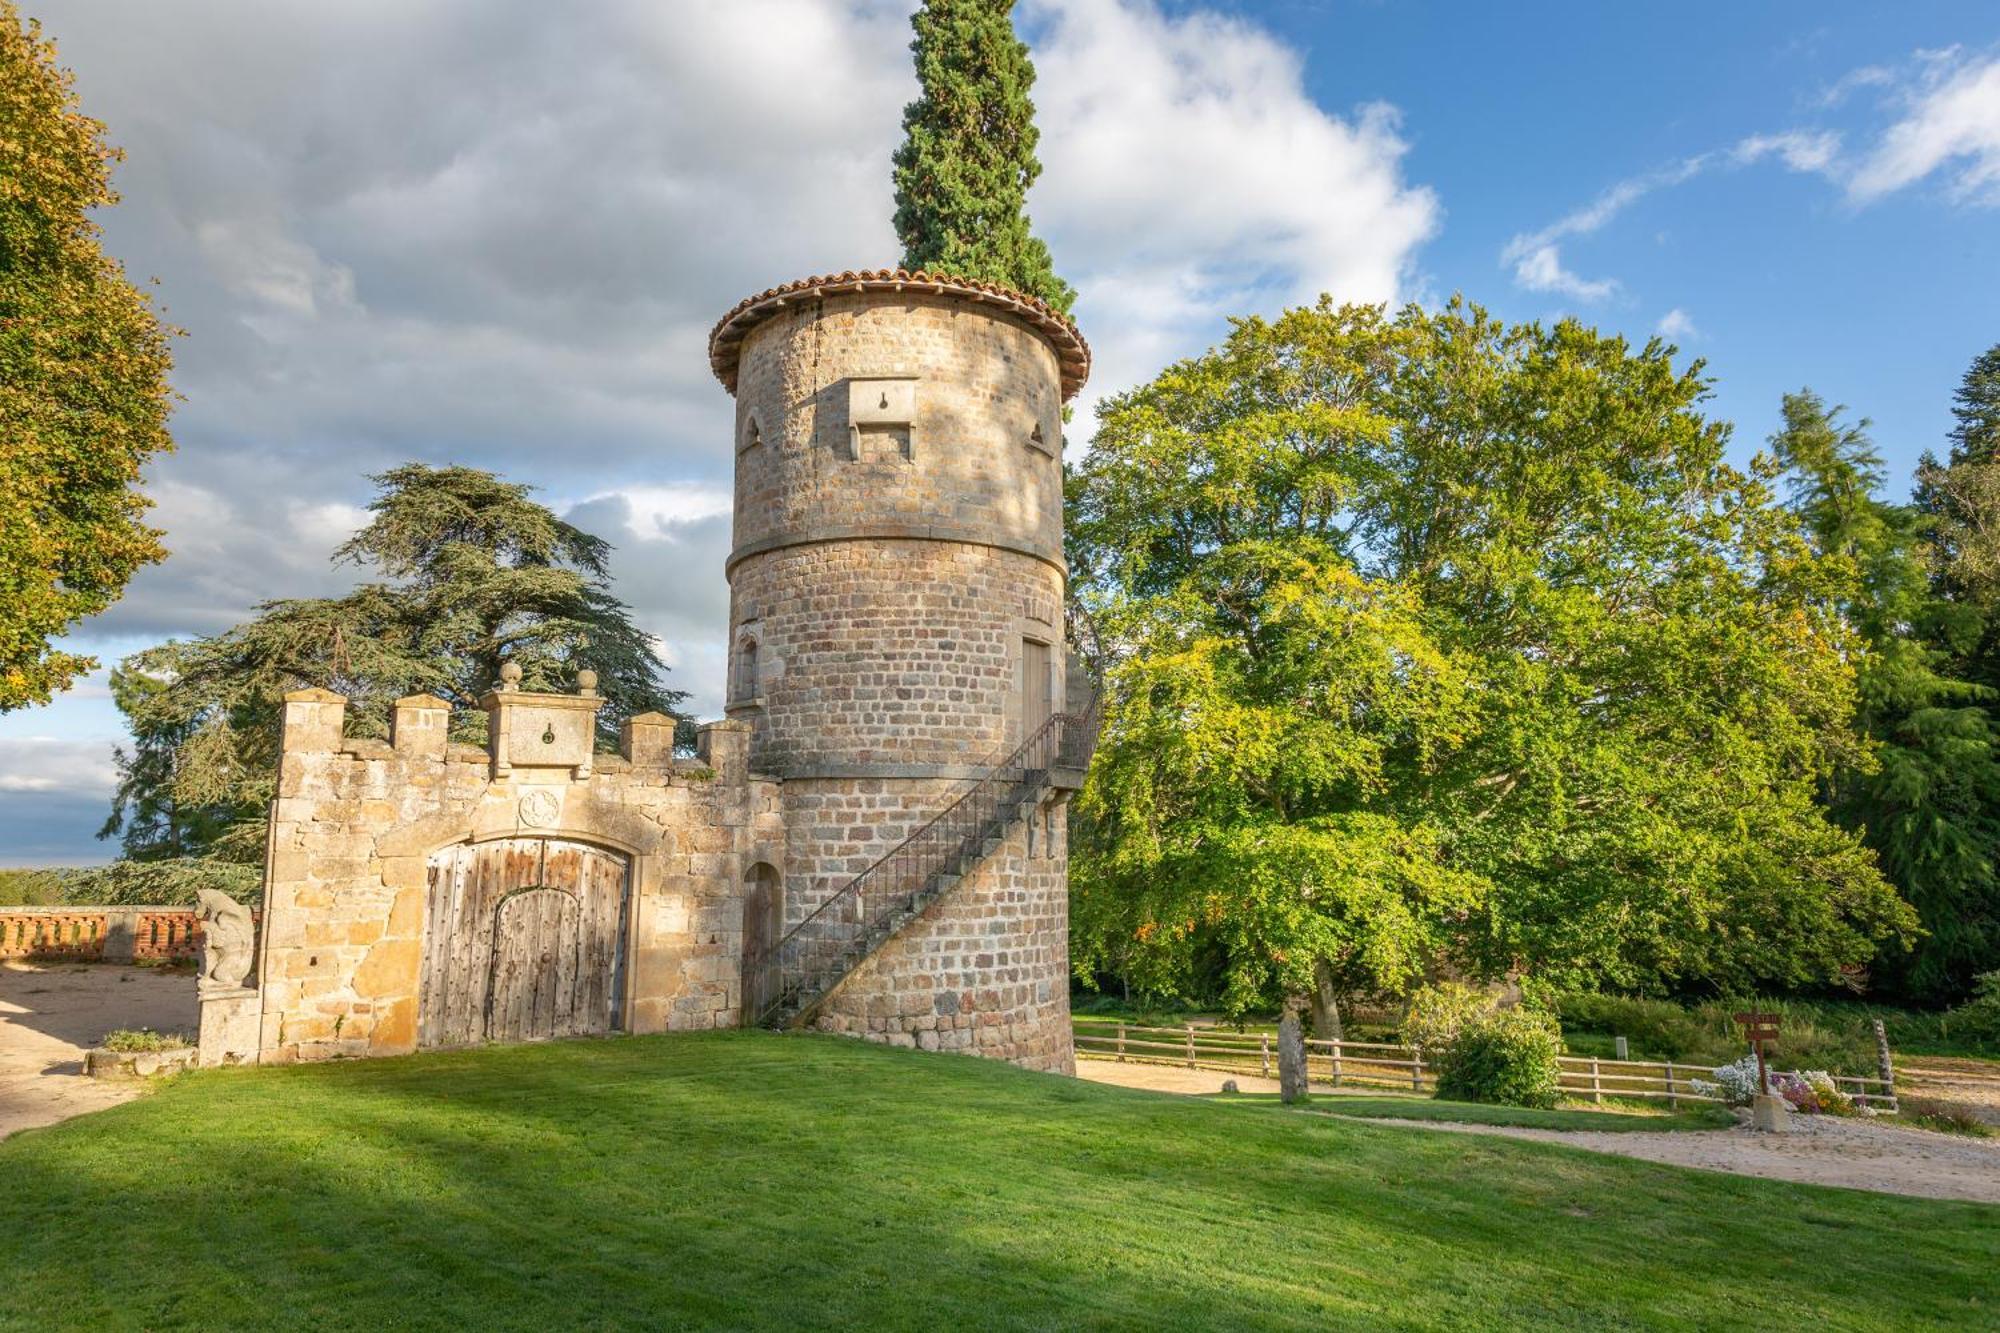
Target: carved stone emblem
point(227, 937)
point(540, 809)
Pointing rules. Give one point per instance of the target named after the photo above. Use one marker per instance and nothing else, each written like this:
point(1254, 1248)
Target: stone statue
point(228, 936)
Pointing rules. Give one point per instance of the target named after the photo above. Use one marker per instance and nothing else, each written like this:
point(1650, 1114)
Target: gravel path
point(1820, 1150)
point(50, 1013)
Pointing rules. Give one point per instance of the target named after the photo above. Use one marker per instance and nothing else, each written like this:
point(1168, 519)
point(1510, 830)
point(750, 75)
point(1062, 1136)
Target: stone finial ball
point(586, 681)
point(1229, 1085)
point(510, 674)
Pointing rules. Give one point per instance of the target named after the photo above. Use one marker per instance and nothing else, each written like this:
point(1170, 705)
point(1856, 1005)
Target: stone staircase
point(815, 956)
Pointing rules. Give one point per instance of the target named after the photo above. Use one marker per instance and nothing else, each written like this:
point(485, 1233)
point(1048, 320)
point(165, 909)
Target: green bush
point(1977, 1021)
point(1507, 1057)
point(1437, 1013)
point(1661, 1029)
point(144, 1039)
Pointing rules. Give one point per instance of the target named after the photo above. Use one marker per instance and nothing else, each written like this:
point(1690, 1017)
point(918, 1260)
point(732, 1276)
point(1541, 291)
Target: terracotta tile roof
point(1072, 352)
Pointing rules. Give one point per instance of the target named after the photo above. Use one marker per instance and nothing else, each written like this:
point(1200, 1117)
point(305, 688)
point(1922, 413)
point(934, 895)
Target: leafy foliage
point(968, 152)
point(478, 574)
point(83, 376)
point(1978, 1019)
point(1508, 1057)
point(1928, 796)
point(1428, 637)
point(1436, 1013)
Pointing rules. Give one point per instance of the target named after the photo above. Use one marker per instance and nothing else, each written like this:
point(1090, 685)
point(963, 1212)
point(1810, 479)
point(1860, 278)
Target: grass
point(750, 1180)
point(1623, 1119)
point(143, 1039)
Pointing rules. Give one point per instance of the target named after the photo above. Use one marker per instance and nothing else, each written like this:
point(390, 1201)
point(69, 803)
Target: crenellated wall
point(365, 833)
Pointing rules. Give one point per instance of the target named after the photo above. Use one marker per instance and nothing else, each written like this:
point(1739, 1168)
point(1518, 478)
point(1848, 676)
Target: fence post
point(1264, 1053)
point(1885, 1069)
point(1673, 1095)
point(1416, 1069)
point(1619, 1048)
point(1121, 1043)
point(1596, 1085)
point(1336, 1062)
point(1190, 1036)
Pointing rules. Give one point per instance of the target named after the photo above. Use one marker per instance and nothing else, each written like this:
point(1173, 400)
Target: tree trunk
point(1325, 1002)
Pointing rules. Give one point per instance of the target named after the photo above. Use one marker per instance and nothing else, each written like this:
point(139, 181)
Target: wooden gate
point(524, 938)
point(763, 927)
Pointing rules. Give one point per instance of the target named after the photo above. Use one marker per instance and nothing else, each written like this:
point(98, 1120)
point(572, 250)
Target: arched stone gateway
point(524, 939)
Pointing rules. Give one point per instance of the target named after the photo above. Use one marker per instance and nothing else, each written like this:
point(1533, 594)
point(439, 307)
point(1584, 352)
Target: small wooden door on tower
point(1037, 686)
point(524, 939)
point(763, 927)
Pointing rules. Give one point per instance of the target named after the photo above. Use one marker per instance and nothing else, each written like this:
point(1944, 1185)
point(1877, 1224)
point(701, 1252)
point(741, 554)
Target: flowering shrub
point(1798, 1093)
point(1735, 1084)
point(1828, 1094)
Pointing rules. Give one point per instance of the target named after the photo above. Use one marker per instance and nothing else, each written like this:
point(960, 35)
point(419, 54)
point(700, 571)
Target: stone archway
point(524, 939)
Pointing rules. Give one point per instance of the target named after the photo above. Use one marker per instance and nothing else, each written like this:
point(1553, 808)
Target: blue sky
point(496, 232)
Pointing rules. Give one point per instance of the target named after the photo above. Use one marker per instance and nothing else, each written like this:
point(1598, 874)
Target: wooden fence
point(99, 934)
point(1391, 1067)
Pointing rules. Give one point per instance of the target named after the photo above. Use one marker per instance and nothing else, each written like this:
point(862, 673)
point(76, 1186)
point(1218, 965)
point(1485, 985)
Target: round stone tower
point(896, 600)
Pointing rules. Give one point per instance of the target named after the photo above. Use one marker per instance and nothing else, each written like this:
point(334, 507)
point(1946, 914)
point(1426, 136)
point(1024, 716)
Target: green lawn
point(1618, 1120)
point(749, 1180)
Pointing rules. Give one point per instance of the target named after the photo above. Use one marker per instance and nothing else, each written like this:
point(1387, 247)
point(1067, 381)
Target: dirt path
point(1820, 1151)
point(50, 1013)
point(1168, 1078)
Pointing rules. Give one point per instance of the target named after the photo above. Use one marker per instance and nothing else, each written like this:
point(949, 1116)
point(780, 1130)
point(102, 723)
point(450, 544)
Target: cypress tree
point(968, 153)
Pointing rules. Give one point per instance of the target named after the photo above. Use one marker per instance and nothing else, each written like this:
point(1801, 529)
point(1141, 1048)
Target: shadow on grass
point(753, 1180)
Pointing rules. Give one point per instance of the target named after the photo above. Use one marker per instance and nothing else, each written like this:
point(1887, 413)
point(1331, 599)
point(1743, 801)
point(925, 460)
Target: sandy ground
point(1819, 1151)
point(50, 1013)
point(1856, 1154)
point(1167, 1078)
point(1972, 1084)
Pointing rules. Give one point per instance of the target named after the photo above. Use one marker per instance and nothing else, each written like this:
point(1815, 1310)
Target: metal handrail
point(866, 912)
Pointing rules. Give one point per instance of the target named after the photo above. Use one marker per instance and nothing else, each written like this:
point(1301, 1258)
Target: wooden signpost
point(1759, 1028)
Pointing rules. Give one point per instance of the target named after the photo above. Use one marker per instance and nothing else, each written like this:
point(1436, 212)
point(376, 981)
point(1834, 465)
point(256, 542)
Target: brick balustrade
point(101, 934)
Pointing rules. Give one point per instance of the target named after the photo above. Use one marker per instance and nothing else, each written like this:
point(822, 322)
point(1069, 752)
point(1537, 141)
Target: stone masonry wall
point(984, 386)
point(890, 652)
point(986, 970)
point(883, 586)
point(355, 823)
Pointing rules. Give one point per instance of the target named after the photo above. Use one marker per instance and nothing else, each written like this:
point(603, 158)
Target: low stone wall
point(100, 934)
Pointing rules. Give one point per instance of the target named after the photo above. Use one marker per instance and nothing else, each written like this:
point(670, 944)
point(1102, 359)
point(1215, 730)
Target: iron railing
point(796, 973)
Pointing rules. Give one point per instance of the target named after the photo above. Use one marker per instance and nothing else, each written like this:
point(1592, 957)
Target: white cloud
point(1189, 175)
point(497, 232)
point(1541, 270)
point(1537, 259)
point(1950, 124)
point(1799, 150)
point(1867, 76)
point(47, 764)
point(1677, 324)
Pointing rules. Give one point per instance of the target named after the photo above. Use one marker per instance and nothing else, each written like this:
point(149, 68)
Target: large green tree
point(83, 377)
point(1928, 800)
point(968, 152)
point(475, 574)
point(1435, 643)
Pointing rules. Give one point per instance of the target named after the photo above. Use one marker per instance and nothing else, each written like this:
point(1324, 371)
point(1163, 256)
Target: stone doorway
point(524, 939)
point(763, 927)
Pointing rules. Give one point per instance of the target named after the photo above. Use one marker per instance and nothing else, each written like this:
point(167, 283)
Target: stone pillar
point(725, 747)
point(648, 739)
point(230, 1025)
point(420, 725)
point(313, 721)
point(1291, 1056)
